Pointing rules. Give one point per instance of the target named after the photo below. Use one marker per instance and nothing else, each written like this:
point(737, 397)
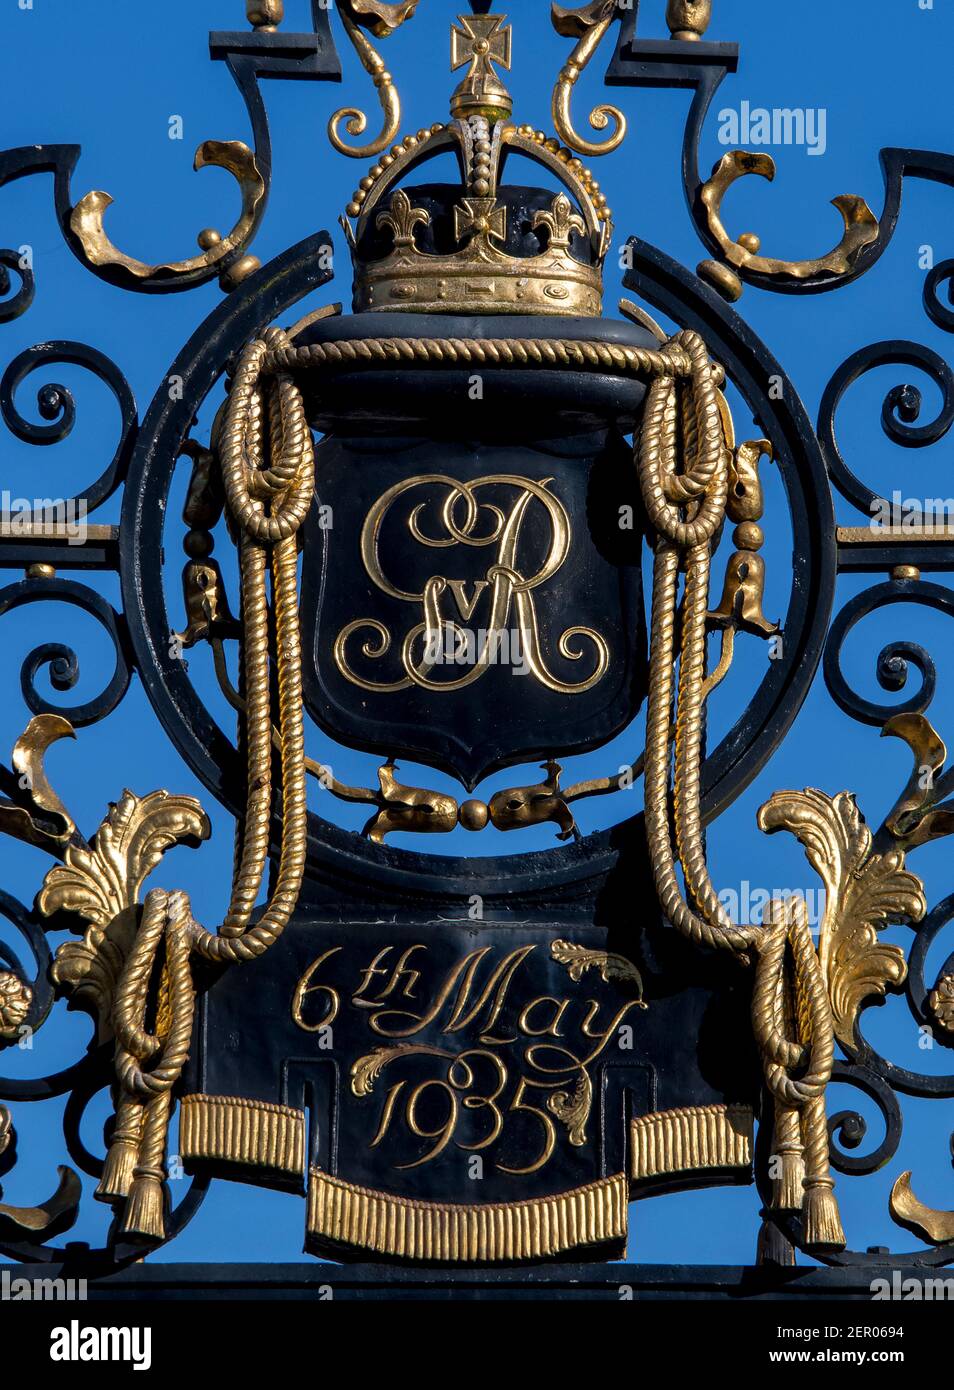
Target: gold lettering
point(604, 1037)
point(553, 1026)
point(305, 987)
point(398, 972)
point(510, 590)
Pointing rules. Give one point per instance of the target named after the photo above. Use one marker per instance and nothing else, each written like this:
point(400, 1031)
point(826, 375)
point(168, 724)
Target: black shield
point(473, 604)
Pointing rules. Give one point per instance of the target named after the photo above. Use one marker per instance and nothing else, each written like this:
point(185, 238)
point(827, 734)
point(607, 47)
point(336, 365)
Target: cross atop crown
point(481, 41)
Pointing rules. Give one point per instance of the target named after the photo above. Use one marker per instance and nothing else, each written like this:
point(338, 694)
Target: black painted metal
point(592, 884)
point(576, 1282)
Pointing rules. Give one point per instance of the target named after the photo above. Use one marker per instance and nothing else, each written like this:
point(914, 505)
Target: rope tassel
point(267, 461)
point(266, 456)
point(683, 460)
point(123, 1153)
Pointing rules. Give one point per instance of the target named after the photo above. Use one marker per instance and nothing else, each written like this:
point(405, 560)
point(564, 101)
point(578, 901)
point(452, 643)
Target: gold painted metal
point(691, 1139)
point(411, 809)
point(102, 880)
point(914, 535)
point(406, 151)
point(688, 20)
point(265, 14)
point(740, 608)
point(86, 218)
point(941, 1002)
point(930, 1224)
point(44, 821)
point(915, 817)
point(573, 1108)
point(860, 225)
point(16, 996)
point(684, 476)
point(37, 1221)
point(509, 591)
point(515, 808)
point(721, 277)
point(479, 275)
point(637, 314)
point(474, 815)
point(17, 529)
point(249, 1133)
point(587, 24)
point(101, 884)
point(481, 41)
point(741, 604)
point(863, 892)
point(381, 20)
point(206, 603)
point(579, 959)
point(479, 272)
point(343, 1213)
point(366, 1070)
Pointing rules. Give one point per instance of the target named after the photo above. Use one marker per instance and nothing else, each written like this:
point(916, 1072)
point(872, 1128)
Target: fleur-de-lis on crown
point(561, 220)
point(402, 219)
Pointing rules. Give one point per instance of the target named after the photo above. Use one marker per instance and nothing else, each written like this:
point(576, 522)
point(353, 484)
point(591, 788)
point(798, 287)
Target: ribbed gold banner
point(359, 1216)
point(698, 1136)
point(253, 1133)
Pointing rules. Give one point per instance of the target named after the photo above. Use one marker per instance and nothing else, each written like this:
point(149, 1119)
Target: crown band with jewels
point(498, 250)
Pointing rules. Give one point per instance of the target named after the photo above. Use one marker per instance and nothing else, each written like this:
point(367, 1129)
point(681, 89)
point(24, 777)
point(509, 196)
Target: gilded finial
point(265, 14)
point(481, 41)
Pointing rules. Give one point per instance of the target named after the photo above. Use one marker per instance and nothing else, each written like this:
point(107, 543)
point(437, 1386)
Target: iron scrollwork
point(865, 873)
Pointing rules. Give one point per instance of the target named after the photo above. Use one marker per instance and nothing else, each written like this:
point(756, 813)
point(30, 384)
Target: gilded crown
point(479, 246)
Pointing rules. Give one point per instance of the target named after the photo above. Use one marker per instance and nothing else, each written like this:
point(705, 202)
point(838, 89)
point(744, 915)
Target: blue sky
point(112, 76)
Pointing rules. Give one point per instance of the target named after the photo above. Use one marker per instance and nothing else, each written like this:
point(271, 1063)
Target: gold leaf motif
point(863, 893)
point(16, 996)
point(366, 1070)
point(941, 1002)
point(89, 970)
point(99, 882)
point(578, 959)
point(860, 225)
point(574, 1110)
point(402, 218)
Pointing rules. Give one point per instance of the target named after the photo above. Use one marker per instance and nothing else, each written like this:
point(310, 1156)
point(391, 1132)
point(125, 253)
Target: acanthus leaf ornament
point(99, 882)
point(864, 892)
point(611, 965)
